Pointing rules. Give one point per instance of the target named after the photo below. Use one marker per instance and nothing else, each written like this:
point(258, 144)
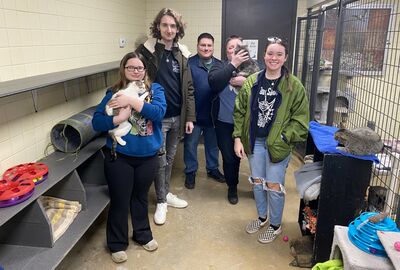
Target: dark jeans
point(129, 180)
point(231, 162)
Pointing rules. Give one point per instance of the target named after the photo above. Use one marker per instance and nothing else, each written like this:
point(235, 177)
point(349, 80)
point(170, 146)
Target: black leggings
point(129, 180)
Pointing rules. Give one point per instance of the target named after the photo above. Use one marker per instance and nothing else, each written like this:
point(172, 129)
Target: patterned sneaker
point(255, 225)
point(269, 235)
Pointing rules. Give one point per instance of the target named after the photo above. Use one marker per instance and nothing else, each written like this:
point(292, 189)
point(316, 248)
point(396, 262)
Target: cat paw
point(143, 96)
point(120, 141)
point(343, 149)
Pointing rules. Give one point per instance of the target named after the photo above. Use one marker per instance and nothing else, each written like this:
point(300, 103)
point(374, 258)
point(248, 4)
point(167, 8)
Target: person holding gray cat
point(131, 169)
point(223, 80)
point(271, 115)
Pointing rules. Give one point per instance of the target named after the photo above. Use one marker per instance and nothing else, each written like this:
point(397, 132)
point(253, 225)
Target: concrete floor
point(208, 234)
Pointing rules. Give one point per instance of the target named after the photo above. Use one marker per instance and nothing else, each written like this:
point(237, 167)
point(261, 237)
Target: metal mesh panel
point(299, 54)
point(309, 58)
point(366, 69)
point(370, 64)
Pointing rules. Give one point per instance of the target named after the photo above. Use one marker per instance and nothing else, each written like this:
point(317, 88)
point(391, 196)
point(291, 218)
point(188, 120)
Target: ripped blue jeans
point(268, 202)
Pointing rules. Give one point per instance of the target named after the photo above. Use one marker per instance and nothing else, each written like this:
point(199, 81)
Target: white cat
point(134, 89)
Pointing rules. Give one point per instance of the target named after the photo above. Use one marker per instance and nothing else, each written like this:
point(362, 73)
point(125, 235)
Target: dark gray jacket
point(153, 52)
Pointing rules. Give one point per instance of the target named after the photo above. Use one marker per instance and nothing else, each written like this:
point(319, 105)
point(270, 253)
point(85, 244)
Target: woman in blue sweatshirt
point(130, 175)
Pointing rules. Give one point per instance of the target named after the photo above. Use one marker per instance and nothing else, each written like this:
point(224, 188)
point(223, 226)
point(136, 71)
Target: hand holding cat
point(237, 81)
point(123, 115)
point(120, 100)
point(239, 58)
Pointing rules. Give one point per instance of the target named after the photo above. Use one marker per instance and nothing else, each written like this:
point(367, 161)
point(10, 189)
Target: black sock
point(262, 219)
point(275, 227)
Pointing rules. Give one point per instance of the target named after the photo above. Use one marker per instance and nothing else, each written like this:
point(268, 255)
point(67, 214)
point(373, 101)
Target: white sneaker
point(174, 201)
point(119, 256)
point(151, 245)
point(161, 213)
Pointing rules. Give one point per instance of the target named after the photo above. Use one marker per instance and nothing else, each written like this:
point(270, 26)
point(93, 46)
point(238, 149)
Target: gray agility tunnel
point(71, 134)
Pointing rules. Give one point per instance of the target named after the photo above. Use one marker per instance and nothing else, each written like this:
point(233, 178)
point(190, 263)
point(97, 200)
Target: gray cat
point(248, 67)
point(359, 141)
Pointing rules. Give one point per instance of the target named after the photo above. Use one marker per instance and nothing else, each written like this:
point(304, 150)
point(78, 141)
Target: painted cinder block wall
point(44, 36)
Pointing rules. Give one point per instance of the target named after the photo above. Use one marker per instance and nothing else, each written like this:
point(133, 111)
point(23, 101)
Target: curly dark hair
point(180, 24)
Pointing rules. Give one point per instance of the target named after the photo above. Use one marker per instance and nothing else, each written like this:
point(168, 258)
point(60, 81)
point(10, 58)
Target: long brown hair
point(123, 81)
point(180, 24)
point(284, 44)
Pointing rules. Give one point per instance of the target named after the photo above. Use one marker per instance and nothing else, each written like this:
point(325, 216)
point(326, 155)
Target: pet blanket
point(307, 176)
point(323, 137)
point(61, 213)
point(329, 265)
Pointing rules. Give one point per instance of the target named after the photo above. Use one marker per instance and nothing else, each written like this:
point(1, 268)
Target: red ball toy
point(285, 238)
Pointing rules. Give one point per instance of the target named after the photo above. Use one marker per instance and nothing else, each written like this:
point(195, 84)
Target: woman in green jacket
point(271, 115)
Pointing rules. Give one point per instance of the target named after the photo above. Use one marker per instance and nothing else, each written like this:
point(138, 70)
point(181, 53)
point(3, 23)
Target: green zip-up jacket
point(291, 121)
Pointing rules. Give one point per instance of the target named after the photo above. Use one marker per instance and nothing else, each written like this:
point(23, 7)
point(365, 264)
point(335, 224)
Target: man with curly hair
point(167, 64)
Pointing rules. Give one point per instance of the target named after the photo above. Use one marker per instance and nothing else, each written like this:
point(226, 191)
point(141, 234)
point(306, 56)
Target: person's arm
point(297, 128)
point(239, 114)
point(190, 102)
point(219, 75)
point(101, 121)
point(155, 110)
point(237, 81)
point(121, 100)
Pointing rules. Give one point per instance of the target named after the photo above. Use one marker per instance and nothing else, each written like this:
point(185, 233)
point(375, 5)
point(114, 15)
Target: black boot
point(232, 195)
point(190, 180)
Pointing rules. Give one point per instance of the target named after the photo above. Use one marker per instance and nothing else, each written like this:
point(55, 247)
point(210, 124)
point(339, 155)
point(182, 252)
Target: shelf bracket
point(105, 78)
point(65, 91)
point(34, 94)
point(87, 84)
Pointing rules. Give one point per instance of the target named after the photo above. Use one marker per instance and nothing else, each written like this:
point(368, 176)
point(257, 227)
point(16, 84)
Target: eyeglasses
point(274, 40)
point(133, 68)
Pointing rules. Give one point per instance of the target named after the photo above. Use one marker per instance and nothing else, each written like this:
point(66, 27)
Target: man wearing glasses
point(167, 64)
